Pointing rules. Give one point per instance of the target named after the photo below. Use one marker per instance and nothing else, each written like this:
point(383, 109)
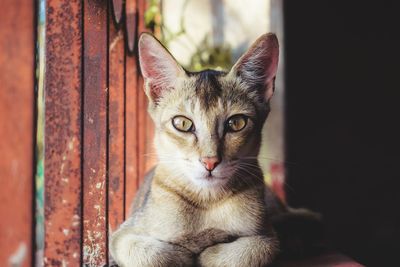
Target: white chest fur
point(168, 218)
point(233, 216)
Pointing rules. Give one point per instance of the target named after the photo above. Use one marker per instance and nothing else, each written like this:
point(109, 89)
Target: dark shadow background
point(343, 117)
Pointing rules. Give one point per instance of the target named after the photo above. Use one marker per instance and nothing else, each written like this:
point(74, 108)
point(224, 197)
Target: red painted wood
point(118, 8)
point(145, 134)
point(94, 133)
point(116, 118)
point(131, 132)
point(142, 6)
point(131, 26)
point(150, 157)
point(16, 133)
point(63, 92)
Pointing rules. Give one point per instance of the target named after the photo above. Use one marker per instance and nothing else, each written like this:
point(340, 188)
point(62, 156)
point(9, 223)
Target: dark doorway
point(343, 116)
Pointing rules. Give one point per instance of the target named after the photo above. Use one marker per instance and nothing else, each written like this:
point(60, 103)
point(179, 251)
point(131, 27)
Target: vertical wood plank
point(131, 105)
point(63, 92)
point(116, 118)
point(16, 133)
point(118, 7)
point(150, 157)
point(94, 133)
point(131, 25)
point(131, 134)
point(144, 121)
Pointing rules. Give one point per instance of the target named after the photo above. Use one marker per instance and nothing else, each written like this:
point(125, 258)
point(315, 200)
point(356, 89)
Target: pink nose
point(210, 162)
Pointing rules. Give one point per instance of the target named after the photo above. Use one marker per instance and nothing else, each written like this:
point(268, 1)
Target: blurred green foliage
point(206, 55)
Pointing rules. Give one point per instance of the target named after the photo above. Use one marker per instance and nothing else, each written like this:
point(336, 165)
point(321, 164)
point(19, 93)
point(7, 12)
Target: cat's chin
point(209, 181)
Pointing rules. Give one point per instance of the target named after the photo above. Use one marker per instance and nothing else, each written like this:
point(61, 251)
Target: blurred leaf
point(151, 14)
point(206, 56)
point(209, 56)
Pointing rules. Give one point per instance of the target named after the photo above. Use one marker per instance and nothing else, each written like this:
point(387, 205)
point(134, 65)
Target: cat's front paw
point(197, 242)
point(132, 250)
point(245, 251)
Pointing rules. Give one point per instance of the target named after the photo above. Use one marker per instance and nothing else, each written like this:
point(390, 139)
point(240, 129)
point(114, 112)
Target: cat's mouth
point(210, 175)
point(213, 178)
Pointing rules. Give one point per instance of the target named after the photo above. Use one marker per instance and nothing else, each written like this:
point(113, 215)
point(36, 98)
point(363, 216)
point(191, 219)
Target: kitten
point(206, 202)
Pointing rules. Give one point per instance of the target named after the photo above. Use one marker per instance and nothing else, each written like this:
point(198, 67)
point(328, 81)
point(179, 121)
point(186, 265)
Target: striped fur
point(182, 216)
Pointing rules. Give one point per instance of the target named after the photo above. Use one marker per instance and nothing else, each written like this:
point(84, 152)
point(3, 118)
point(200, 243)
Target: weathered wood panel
point(95, 23)
point(118, 8)
point(144, 121)
point(138, 130)
point(116, 118)
point(131, 133)
point(63, 91)
point(17, 131)
point(131, 25)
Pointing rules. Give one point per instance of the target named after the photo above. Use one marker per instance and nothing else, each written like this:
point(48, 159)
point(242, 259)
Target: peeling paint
point(115, 41)
point(66, 232)
point(63, 132)
point(71, 144)
point(17, 258)
point(92, 251)
point(95, 134)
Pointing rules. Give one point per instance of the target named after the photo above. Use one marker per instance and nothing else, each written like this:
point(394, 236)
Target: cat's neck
point(203, 196)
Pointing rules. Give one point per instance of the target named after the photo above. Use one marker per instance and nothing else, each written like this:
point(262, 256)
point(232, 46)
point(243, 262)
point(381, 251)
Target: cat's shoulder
point(143, 193)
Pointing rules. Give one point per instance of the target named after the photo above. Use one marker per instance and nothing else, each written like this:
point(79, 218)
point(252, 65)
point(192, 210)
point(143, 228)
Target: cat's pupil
point(182, 124)
point(236, 123)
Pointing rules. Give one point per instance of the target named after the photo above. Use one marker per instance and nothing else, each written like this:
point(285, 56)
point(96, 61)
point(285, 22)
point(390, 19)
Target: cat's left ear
point(258, 66)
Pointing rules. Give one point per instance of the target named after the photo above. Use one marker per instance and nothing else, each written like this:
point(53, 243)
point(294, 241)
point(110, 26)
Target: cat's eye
point(182, 124)
point(236, 123)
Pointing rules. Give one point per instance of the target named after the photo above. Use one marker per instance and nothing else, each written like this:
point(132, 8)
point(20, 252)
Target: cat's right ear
point(159, 68)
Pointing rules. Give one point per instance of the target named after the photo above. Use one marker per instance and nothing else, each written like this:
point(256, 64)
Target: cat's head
point(208, 123)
